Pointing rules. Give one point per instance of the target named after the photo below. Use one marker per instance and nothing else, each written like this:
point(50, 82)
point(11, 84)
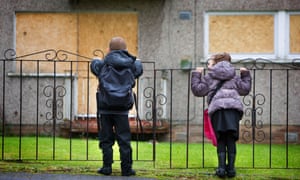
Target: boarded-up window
point(95, 31)
point(295, 34)
point(241, 33)
point(80, 33)
point(41, 31)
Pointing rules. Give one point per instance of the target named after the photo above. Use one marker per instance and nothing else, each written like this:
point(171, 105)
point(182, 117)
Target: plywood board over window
point(41, 31)
point(95, 32)
point(295, 34)
point(241, 33)
point(80, 33)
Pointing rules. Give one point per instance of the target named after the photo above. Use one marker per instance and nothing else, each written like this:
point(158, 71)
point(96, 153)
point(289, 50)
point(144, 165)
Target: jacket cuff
point(96, 66)
point(196, 74)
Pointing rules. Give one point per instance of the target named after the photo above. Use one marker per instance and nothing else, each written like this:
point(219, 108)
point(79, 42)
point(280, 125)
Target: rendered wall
point(162, 36)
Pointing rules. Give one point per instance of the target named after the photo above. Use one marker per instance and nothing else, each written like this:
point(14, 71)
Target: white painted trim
point(281, 46)
point(42, 75)
point(206, 35)
point(239, 13)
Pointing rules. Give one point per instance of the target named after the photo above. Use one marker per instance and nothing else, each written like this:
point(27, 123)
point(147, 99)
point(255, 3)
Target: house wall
point(162, 37)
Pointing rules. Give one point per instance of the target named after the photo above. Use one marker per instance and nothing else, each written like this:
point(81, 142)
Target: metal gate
point(49, 97)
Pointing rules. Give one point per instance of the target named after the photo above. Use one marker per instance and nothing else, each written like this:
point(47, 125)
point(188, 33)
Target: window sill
point(42, 75)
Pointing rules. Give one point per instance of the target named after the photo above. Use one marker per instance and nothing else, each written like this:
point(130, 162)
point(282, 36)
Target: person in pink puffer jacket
point(225, 107)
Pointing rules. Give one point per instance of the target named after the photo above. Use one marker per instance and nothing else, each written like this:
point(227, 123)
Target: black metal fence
point(49, 97)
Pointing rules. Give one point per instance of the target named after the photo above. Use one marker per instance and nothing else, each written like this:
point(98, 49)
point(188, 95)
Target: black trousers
point(115, 126)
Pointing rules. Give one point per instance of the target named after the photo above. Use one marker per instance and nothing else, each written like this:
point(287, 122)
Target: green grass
point(176, 161)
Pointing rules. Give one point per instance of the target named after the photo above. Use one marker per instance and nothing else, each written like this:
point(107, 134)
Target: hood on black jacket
point(119, 59)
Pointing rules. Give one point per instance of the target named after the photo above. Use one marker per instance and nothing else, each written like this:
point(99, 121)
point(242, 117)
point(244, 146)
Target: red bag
point(208, 129)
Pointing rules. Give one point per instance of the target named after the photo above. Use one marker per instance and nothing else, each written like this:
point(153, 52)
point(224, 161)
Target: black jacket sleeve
point(138, 68)
point(96, 66)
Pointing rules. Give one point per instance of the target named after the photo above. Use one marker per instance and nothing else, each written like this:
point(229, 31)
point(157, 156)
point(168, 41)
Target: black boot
point(126, 169)
point(126, 161)
point(107, 162)
point(105, 170)
point(230, 168)
point(129, 172)
point(221, 170)
point(107, 155)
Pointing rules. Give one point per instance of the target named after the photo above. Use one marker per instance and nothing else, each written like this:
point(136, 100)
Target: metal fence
point(48, 97)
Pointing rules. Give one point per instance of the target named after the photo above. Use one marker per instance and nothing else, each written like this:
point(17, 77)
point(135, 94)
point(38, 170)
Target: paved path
point(29, 176)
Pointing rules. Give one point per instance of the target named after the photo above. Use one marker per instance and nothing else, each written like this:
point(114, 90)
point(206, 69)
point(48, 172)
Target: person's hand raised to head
point(242, 69)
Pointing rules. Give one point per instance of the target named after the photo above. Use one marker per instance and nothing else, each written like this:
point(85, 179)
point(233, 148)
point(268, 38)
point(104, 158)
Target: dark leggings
point(226, 143)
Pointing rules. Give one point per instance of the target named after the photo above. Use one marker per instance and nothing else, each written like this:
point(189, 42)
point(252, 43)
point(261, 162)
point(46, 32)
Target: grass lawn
point(172, 161)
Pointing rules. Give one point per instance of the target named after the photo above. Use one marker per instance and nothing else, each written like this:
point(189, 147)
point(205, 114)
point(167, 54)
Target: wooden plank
point(241, 33)
point(95, 32)
point(80, 33)
point(295, 33)
point(40, 31)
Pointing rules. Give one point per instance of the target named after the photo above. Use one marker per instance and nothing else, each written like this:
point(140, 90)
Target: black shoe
point(231, 173)
point(221, 172)
point(105, 171)
point(131, 172)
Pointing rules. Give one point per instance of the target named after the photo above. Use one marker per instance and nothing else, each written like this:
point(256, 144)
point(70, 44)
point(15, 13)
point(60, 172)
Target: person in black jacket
point(114, 122)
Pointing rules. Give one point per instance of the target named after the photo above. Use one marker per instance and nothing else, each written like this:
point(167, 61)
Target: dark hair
point(221, 57)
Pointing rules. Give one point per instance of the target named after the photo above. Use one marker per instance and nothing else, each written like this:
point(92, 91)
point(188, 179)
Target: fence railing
point(49, 96)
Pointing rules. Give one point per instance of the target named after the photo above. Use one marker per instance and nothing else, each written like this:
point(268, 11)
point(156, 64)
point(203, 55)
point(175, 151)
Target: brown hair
point(117, 43)
point(221, 57)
